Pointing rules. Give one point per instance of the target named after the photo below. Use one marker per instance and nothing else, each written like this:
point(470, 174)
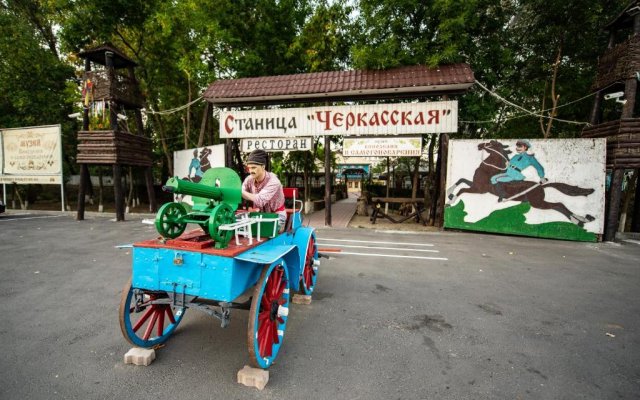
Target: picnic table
point(378, 211)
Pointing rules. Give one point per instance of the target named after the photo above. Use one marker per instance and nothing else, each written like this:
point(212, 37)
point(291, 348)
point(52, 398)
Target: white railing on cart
point(242, 227)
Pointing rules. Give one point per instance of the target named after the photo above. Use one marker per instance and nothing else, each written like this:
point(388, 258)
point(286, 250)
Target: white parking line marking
point(375, 247)
point(22, 219)
point(373, 242)
point(390, 255)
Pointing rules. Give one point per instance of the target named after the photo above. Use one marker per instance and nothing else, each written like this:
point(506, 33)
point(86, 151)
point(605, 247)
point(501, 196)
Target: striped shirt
point(269, 196)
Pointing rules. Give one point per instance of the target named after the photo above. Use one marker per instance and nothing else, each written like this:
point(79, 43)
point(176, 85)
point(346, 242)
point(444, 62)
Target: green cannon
point(215, 199)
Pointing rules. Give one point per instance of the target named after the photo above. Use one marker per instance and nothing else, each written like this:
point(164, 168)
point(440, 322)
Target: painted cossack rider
point(518, 163)
point(195, 165)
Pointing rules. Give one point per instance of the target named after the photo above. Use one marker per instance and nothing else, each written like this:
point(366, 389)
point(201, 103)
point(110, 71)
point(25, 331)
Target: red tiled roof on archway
point(403, 82)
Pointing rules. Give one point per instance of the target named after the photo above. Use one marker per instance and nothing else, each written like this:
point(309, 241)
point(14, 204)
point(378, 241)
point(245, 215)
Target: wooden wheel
point(143, 323)
point(268, 315)
point(310, 270)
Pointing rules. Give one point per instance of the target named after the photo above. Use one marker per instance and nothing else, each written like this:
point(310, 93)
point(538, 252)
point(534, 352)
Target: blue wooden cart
point(194, 270)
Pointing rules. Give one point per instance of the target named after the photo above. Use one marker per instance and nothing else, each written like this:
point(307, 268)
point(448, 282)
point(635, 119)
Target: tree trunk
point(416, 173)
point(130, 194)
point(16, 192)
point(442, 163)
point(204, 124)
point(327, 181)
point(305, 177)
point(432, 146)
point(554, 96)
point(187, 120)
point(117, 191)
point(613, 211)
point(631, 187)
point(100, 190)
point(165, 148)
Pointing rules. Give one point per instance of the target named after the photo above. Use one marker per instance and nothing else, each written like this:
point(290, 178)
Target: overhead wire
point(512, 104)
point(541, 111)
point(537, 114)
point(174, 110)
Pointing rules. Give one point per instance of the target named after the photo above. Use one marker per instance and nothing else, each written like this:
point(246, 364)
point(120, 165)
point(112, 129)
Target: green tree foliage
point(325, 40)
point(322, 45)
point(253, 36)
point(510, 45)
point(539, 31)
point(36, 86)
point(183, 46)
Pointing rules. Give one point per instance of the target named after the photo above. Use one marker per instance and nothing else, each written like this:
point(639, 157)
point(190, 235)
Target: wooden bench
point(378, 211)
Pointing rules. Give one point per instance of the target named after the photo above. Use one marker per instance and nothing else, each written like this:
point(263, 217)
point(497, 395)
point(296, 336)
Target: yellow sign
point(382, 146)
point(31, 155)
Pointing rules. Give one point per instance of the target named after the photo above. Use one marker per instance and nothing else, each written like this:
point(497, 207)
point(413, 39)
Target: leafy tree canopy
point(527, 51)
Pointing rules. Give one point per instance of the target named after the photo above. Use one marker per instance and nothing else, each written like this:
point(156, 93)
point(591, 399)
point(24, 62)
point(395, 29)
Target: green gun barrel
point(219, 184)
point(181, 186)
point(215, 198)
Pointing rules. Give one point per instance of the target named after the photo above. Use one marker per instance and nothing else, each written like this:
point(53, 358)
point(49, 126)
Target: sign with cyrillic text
point(352, 120)
point(277, 144)
point(31, 155)
point(382, 147)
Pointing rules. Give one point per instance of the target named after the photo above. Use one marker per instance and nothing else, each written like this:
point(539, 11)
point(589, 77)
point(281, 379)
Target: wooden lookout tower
point(616, 85)
point(110, 90)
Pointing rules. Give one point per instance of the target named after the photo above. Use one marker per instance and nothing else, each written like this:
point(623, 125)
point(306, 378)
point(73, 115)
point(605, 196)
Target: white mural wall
point(548, 188)
point(191, 164)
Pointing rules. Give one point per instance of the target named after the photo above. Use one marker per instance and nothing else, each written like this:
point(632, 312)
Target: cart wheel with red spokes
point(268, 314)
point(310, 269)
point(143, 322)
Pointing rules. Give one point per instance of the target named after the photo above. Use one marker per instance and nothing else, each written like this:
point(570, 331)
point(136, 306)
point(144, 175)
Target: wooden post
point(138, 114)
point(386, 203)
point(84, 177)
point(84, 169)
point(630, 89)
point(613, 210)
point(118, 192)
point(204, 124)
point(327, 181)
point(615, 191)
point(635, 221)
point(442, 178)
point(433, 210)
point(596, 110)
point(228, 155)
point(237, 155)
point(139, 124)
point(626, 200)
point(113, 113)
point(85, 107)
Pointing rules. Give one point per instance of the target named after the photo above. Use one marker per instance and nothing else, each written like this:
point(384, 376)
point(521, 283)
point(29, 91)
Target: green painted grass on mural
point(512, 221)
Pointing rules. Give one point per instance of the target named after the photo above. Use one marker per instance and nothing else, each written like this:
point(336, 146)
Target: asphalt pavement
point(395, 315)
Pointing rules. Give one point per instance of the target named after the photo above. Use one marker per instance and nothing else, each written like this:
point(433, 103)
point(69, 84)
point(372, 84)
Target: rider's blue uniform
point(195, 164)
point(515, 167)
